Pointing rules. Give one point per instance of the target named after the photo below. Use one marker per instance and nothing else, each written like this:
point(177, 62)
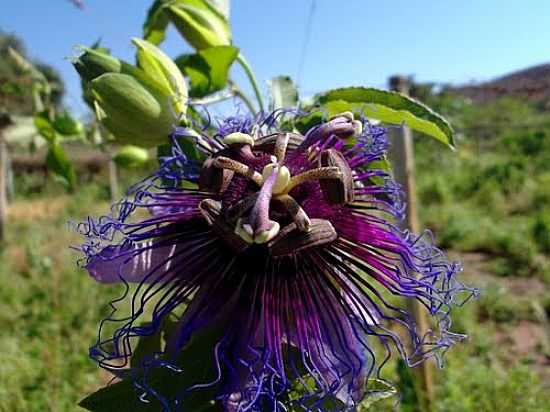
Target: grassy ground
point(50, 309)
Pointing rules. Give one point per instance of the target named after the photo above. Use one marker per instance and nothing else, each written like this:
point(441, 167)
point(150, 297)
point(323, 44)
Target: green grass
point(492, 200)
point(493, 195)
point(49, 309)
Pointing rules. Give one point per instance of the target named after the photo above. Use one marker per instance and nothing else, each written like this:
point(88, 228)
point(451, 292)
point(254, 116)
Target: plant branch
point(236, 90)
point(250, 74)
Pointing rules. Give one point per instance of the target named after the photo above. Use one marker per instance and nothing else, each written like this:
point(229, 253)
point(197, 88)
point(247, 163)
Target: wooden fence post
point(402, 153)
point(113, 180)
point(5, 121)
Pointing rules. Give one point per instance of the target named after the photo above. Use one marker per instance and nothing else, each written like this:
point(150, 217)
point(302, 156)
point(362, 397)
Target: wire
point(305, 44)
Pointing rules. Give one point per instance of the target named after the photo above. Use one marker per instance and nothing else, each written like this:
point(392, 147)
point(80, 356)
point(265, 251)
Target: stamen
point(298, 215)
point(230, 164)
point(267, 143)
point(341, 125)
point(340, 190)
point(347, 115)
point(314, 174)
point(238, 138)
point(213, 178)
point(290, 240)
point(280, 146)
point(210, 209)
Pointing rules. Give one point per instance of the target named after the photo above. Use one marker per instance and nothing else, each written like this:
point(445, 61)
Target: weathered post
point(113, 180)
point(402, 153)
point(5, 121)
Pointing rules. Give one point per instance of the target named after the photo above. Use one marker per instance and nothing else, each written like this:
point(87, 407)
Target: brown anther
point(298, 215)
point(213, 178)
point(268, 143)
point(237, 167)
point(337, 190)
point(280, 146)
point(210, 210)
point(320, 173)
point(291, 240)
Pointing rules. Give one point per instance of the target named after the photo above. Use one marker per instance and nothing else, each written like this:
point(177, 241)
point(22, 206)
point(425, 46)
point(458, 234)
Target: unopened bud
point(202, 27)
point(93, 63)
point(133, 112)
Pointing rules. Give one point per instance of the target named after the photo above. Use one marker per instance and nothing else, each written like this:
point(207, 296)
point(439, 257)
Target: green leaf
point(66, 125)
point(44, 125)
point(154, 28)
point(131, 156)
point(304, 123)
point(283, 92)
point(59, 164)
point(208, 70)
point(222, 6)
point(390, 107)
point(377, 390)
point(196, 361)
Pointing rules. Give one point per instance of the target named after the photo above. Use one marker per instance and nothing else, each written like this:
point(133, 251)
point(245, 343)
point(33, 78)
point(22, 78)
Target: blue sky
point(351, 42)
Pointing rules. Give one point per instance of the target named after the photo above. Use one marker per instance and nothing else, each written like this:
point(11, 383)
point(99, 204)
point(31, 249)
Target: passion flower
point(287, 248)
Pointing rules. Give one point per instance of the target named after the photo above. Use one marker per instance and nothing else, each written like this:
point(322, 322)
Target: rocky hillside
point(532, 83)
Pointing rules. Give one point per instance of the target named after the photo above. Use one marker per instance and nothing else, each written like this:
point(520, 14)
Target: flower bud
point(133, 111)
point(138, 105)
point(163, 70)
point(93, 63)
point(131, 156)
point(200, 24)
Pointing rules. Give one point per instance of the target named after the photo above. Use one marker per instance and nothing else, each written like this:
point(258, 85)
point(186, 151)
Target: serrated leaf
point(377, 390)
point(208, 70)
point(283, 92)
point(59, 164)
point(65, 124)
point(196, 363)
point(391, 107)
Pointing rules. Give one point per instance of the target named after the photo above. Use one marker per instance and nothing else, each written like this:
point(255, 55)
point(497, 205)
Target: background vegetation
point(488, 205)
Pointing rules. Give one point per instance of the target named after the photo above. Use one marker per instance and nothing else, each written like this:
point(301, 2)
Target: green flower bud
point(138, 105)
point(199, 23)
point(134, 111)
point(163, 70)
point(93, 63)
point(131, 156)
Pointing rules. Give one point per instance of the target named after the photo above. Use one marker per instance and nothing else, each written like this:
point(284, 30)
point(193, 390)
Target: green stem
point(236, 90)
point(250, 74)
point(220, 97)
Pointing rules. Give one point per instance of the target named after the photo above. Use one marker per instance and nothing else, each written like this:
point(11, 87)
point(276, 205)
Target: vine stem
point(236, 90)
point(250, 74)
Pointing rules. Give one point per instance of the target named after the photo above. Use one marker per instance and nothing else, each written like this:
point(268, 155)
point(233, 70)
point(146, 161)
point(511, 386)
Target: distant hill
point(532, 84)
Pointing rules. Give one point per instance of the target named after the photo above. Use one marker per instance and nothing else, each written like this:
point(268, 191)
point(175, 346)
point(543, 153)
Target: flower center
point(250, 220)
